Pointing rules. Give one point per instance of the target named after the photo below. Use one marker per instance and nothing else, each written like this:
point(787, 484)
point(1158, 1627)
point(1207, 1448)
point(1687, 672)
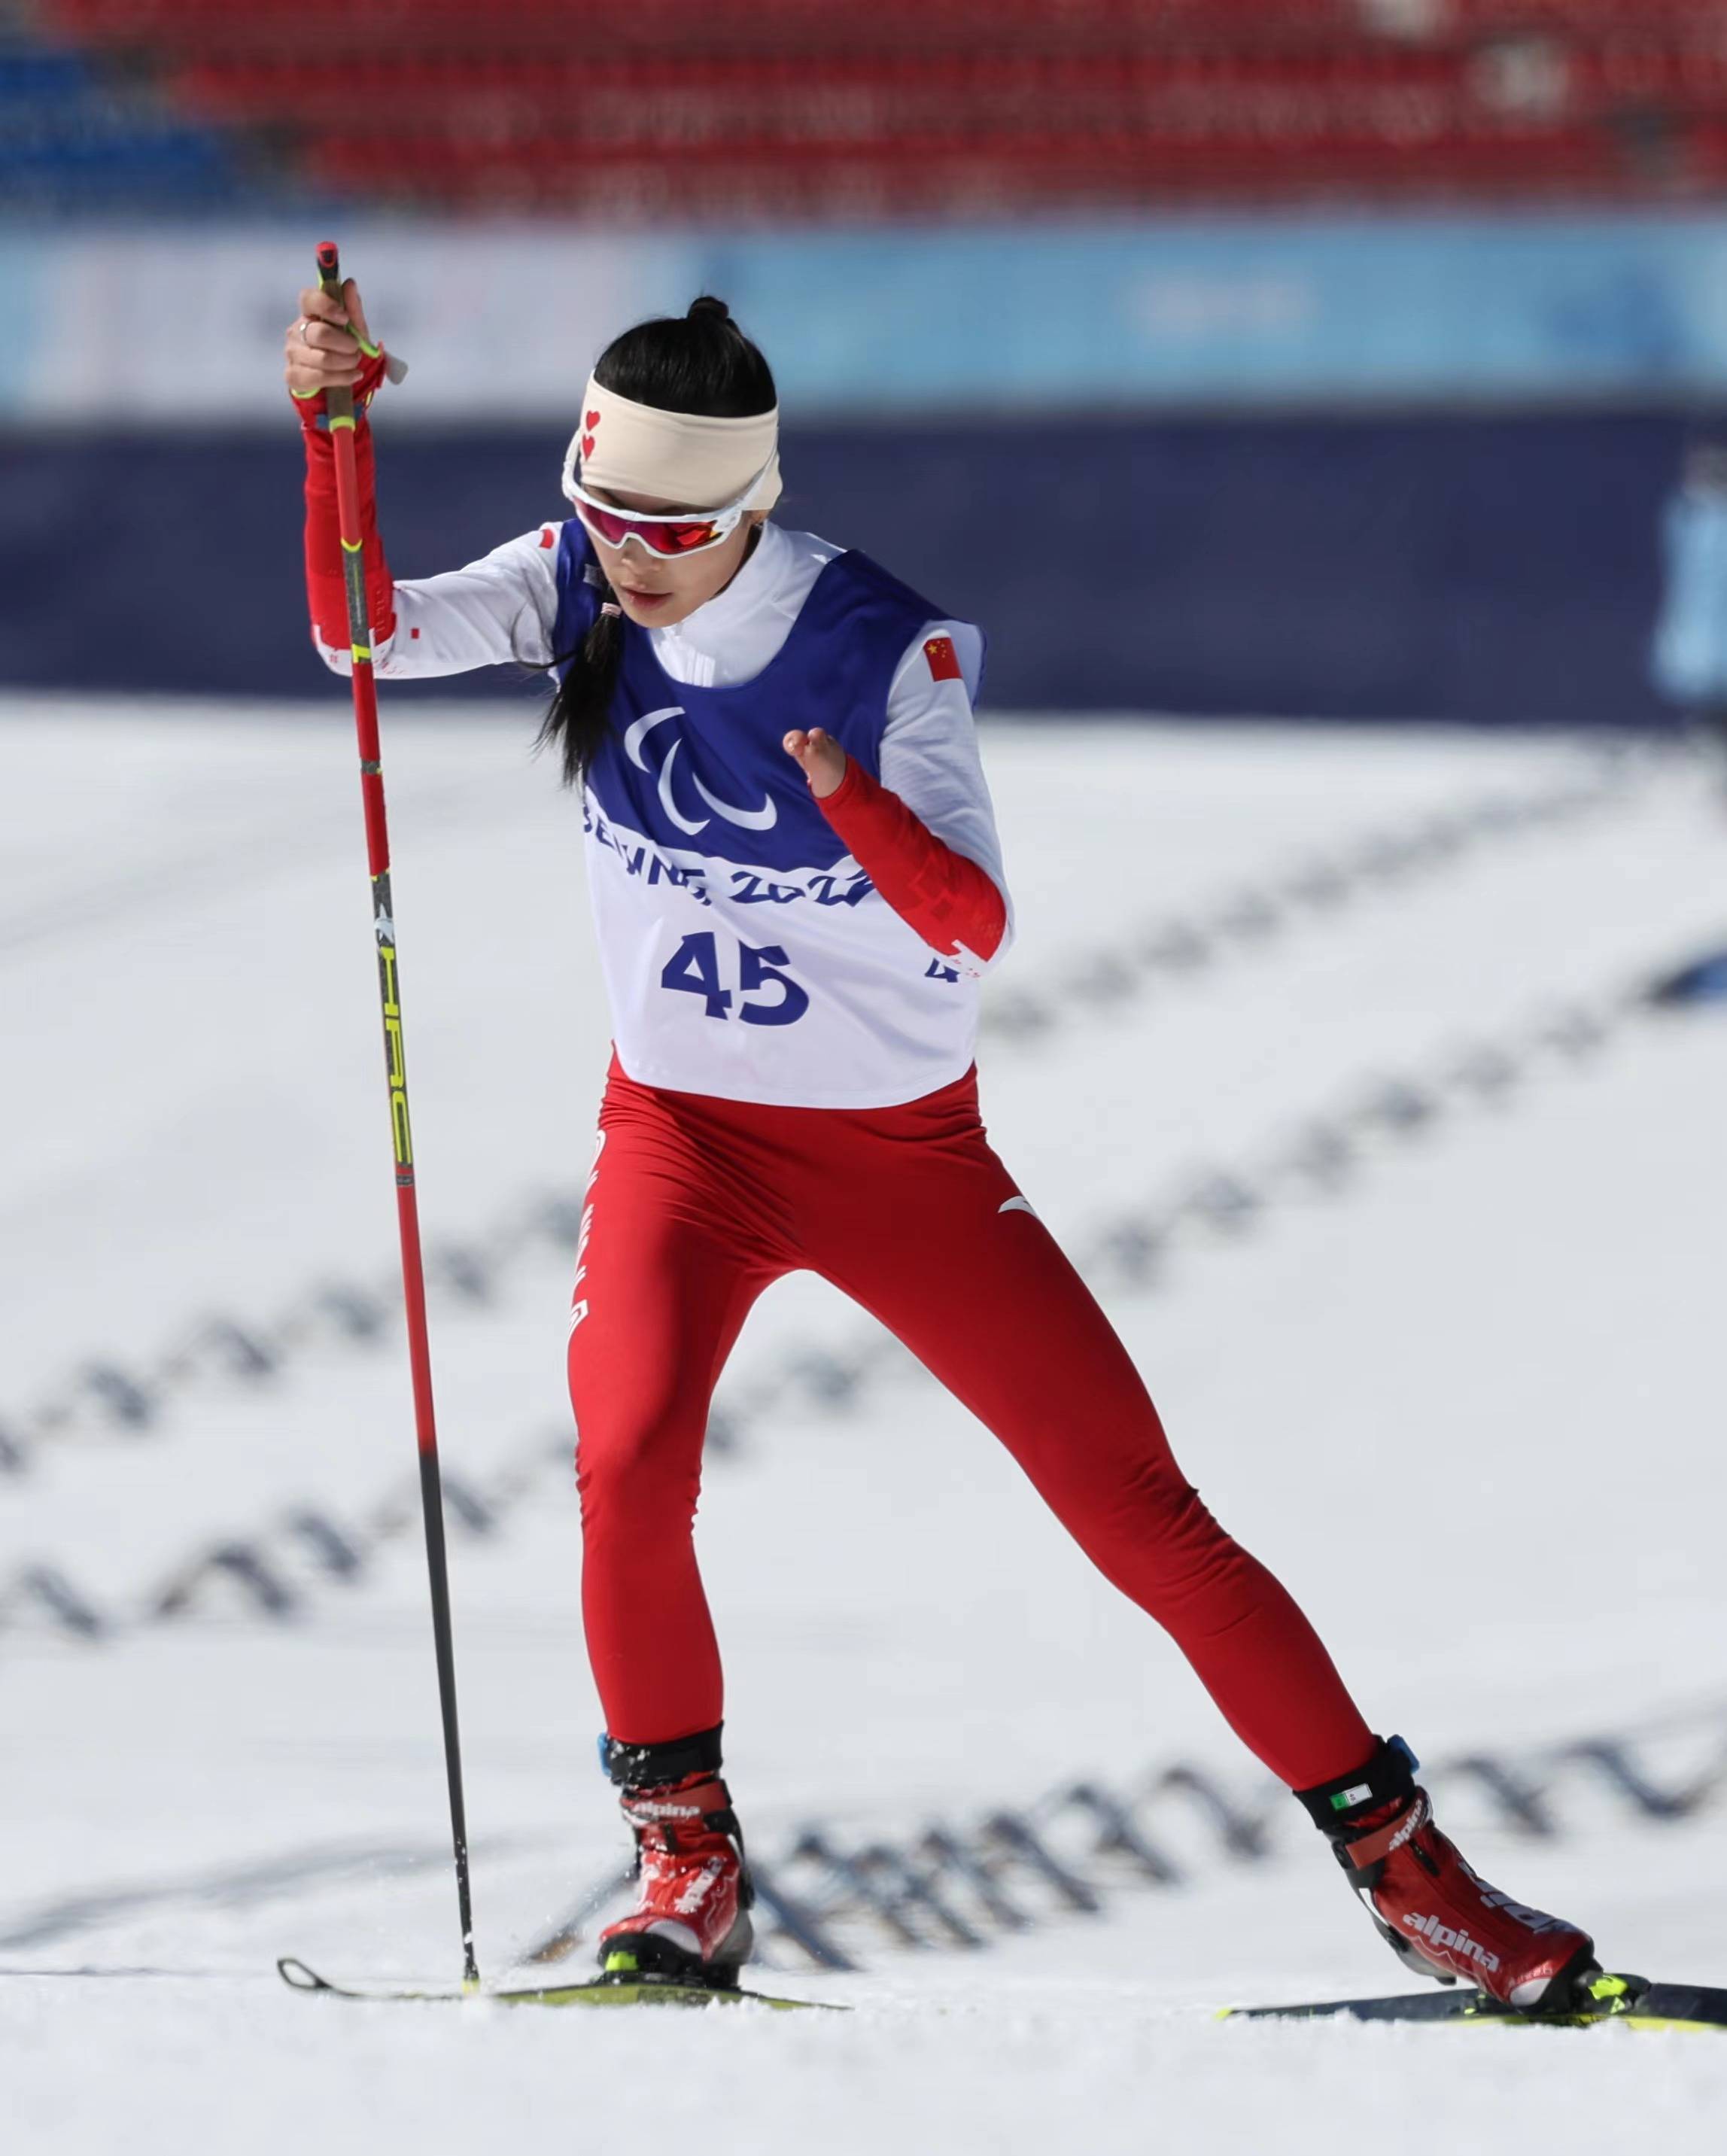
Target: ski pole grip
point(338, 403)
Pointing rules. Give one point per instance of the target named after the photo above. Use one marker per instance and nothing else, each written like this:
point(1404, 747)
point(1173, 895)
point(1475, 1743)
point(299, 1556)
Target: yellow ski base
point(1610, 2000)
point(609, 1990)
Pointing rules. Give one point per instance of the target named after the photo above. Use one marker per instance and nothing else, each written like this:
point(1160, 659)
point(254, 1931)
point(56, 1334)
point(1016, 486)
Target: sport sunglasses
point(678, 534)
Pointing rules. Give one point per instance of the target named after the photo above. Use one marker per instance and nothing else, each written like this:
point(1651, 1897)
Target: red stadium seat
point(691, 107)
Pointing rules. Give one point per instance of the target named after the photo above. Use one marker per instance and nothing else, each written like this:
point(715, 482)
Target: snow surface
point(1468, 1405)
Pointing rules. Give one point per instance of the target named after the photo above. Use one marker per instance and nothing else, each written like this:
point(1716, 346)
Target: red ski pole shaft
point(339, 405)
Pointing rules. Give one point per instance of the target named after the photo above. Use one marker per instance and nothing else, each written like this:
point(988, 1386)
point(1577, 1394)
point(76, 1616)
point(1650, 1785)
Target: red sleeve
point(948, 899)
point(325, 595)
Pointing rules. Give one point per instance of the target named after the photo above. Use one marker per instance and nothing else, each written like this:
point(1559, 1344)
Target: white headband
point(680, 457)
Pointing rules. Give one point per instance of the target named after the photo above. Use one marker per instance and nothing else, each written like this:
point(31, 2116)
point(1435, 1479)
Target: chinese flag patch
point(943, 659)
point(548, 537)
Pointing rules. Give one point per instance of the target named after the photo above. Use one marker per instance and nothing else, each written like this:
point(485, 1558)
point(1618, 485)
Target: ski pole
point(339, 405)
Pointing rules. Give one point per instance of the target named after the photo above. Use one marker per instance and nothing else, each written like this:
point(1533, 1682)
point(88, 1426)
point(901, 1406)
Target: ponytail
point(579, 713)
point(703, 364)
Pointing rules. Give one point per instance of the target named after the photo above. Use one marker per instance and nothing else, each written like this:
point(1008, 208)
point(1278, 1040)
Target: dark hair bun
point(699, 362)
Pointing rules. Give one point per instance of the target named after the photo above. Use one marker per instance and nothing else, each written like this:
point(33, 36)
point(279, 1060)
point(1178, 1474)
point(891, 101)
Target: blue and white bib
point(746, 953)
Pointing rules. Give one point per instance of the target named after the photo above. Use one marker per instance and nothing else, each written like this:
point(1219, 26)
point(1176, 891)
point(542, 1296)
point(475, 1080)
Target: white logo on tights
point(578, 1309)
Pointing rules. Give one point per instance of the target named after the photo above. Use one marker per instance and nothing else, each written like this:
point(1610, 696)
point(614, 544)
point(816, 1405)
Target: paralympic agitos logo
point(752, 819)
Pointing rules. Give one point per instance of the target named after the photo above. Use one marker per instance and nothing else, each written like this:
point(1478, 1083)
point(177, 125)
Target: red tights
point(696, 1205)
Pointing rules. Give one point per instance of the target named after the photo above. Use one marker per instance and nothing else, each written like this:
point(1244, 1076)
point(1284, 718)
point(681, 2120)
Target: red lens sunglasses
point(675, 533)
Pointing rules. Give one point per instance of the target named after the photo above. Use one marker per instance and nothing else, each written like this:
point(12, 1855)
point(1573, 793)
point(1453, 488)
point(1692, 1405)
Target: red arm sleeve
point(948, 899)
point(325, 595)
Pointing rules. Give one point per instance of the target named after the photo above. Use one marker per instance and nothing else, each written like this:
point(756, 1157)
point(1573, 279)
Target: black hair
point(702, 363)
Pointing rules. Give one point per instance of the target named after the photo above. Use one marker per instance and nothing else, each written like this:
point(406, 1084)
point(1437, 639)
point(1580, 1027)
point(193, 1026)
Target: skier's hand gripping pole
point(339, 406)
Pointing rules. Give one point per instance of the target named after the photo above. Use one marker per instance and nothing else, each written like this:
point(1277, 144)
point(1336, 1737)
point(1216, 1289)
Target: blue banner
point(1223, 312)
point(501, 323)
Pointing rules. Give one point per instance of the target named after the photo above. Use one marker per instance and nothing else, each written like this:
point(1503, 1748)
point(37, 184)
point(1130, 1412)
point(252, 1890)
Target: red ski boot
point(691, 1916)
point(1434, 1913)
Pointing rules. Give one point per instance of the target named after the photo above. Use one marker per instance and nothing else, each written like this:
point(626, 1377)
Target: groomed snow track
point(1327, 1053)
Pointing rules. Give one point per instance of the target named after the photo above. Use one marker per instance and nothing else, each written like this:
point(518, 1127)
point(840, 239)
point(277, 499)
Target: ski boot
point(691, 1921)
point(1436, 1914)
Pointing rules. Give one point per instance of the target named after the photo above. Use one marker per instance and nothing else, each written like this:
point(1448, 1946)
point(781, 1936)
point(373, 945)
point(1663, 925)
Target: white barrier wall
point(501, 322)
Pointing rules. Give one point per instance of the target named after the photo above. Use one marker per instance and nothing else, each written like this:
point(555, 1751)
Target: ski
point(594, 1991)
point(1632, 2001)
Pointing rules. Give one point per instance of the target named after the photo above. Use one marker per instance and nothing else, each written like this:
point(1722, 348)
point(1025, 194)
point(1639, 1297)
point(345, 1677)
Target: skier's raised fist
point(820, 755)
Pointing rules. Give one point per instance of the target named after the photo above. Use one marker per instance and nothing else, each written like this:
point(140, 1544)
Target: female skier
point(797, 885)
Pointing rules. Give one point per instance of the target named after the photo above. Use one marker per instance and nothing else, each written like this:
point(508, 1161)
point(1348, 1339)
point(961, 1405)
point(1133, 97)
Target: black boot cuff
point(1389, 1773)
point(646, 1766)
